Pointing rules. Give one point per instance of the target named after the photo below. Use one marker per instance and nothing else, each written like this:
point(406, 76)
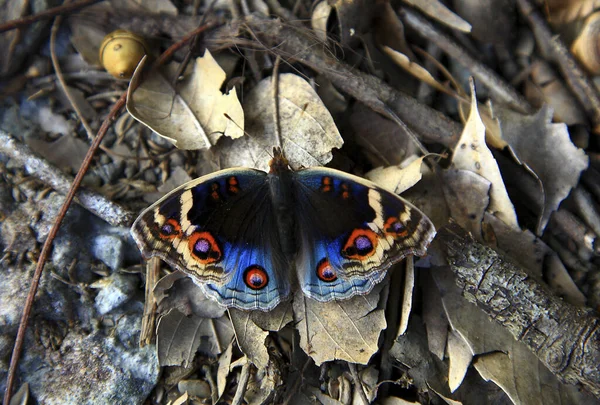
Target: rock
point(114, 291)
point(109, 250)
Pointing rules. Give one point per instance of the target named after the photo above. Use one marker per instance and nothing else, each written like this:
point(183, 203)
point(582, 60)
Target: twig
point(36, 166)
point(44, 15)
point(149, 316)
point(16, 354)
point(358, 383)
point(576, 78)
point(564, 337)
point(499, 89)
point(238, 399)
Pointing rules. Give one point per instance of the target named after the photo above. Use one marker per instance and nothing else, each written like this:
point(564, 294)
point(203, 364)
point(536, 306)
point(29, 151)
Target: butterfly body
point(248, 238)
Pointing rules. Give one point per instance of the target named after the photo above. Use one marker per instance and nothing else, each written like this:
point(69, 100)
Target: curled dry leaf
point(546, 149)
point(194, 114)
point(319, 18)
point(471, 153)
point(340, 330)
point(585, 46)
point(566, 11)
point(308, 131)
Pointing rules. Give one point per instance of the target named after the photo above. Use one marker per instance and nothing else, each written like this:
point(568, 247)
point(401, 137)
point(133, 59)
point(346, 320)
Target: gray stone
point(114, 291)
point(109, 250)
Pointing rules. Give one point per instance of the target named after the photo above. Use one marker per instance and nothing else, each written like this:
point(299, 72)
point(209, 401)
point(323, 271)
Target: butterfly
point(249, 238)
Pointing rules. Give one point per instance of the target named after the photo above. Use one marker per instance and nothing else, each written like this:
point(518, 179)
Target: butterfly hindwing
point(220, 230)
point(350, 231)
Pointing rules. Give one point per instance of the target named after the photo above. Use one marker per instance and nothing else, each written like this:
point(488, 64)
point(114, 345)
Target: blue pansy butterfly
point(248, 238)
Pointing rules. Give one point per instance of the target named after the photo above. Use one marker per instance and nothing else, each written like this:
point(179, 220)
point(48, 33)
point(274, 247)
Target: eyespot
point(170, 229)
point(204, 248)
point(345, 191)
point(325, 272)
point(214, 191)
point(256, 277)
point(360, 244)
point(393, 226)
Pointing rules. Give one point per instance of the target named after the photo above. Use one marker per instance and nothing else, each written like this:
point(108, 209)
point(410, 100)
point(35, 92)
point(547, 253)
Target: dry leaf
point(319, 18)
point(438, 11)
point(460, 355)
point(194, 114)
point(547, 150)
point(250, 337)
point(467, 196)
point(415, 69)
point(224, 369)
point(340, 330)
point(307, 129)
point(566, 11)
point(472, 154)
point(179, 337)
point(397, 178)
point(275, 319)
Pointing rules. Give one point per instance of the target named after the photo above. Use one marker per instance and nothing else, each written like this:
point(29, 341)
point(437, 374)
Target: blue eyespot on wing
point(214, 228)
point(350, 231)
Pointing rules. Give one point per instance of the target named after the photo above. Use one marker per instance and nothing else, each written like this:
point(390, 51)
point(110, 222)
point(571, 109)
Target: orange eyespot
point(360, 245)
point(393, 226)
point(170, 229)
point(204, 248)
point(214, 194)
point(345, 191)
point(233, 185)
point(256, 277)
point(325, 272)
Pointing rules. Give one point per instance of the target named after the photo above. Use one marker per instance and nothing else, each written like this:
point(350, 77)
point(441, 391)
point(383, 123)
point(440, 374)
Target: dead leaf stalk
point(564, 337)
point(238, 399)
point(358, 386)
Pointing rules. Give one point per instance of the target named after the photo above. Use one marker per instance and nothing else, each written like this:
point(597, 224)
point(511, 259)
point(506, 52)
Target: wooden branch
point(564, 337)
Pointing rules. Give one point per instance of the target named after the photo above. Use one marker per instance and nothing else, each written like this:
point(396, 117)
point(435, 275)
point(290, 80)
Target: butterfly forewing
point(216, 229)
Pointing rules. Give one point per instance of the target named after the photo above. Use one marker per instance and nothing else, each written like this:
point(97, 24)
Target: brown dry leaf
point(563, 11)
point(179, 337)
point(439, 12)
point(308, 131)
point(275, 319)
point(546, 149)
point(156, 6)
point(340, 330)
point(415, 69)
point(472, 154)
point(407, 295)
point(250, 337)
point(519, 373)
point(261, 386)
point(467, 197)
point(397, 178)
point(194, 114)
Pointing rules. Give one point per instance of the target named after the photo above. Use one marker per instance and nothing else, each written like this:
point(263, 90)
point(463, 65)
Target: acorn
point(120, 53)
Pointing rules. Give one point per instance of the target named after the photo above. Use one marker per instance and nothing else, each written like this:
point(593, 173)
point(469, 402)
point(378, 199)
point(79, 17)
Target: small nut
point(120, 53)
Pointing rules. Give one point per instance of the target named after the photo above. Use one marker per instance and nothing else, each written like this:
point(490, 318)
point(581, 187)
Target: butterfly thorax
point(282, 198)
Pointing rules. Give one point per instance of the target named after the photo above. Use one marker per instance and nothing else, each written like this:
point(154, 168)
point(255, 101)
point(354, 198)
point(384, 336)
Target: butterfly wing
point(220, 230)
point(350, 231)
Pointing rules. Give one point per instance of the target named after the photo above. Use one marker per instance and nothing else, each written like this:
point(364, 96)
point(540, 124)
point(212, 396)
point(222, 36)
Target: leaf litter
point(225, 117)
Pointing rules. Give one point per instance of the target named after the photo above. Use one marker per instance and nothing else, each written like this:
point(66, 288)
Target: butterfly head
point(279, 163)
